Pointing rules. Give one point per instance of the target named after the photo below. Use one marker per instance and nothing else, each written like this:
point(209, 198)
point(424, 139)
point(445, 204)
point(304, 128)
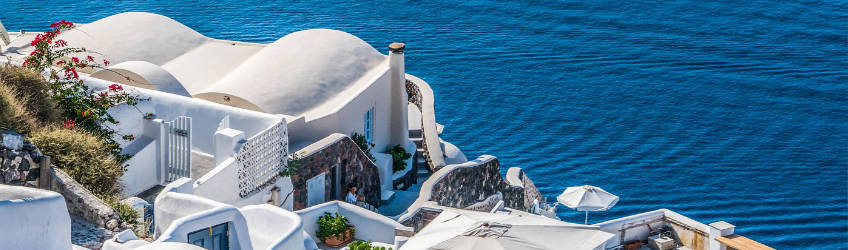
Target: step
point(387, 195)
point(415, 133)
point(418, 142)
point(419, 153)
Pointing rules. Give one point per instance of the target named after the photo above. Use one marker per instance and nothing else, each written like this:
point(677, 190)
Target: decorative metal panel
point(261, 158)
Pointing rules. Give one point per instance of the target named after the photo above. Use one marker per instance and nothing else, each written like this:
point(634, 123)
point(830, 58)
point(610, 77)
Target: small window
point(369, 125)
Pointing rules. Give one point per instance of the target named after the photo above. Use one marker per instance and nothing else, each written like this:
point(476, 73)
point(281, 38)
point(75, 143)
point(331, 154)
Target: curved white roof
point(300, 71)
point(295, 74)
point(136, 36)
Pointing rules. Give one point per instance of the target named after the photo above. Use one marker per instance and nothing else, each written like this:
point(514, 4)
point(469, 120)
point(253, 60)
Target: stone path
point(86, 234)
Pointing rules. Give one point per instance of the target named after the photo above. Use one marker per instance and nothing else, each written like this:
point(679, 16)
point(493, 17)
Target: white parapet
point(33, 219)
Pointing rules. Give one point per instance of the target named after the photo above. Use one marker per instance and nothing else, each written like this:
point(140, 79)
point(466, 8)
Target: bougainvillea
point(85, 108)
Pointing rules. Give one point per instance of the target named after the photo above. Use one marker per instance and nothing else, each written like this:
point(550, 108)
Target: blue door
point(212, 238)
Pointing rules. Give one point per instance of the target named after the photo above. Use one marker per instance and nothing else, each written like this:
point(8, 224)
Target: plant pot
point(335, 241)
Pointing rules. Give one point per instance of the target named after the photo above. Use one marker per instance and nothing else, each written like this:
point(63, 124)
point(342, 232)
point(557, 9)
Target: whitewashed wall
point(369, 225)
point(33, 219)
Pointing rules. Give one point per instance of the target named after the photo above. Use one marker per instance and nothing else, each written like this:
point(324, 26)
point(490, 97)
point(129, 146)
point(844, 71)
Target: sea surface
point(719, 110)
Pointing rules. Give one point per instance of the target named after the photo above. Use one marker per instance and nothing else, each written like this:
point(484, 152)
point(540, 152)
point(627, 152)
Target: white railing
point(176, 148)
point(261, 158)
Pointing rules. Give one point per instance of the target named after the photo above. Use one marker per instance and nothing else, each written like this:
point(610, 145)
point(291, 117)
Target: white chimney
point(397, 77)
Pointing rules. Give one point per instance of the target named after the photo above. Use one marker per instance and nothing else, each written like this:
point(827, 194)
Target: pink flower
point(105, 63)
point(115, 87)
point(70, 123)
point(87, 57)
point(61, 43)
point(76, 60)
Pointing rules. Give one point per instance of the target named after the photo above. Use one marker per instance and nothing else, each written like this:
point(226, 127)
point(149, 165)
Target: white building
point(318, 82)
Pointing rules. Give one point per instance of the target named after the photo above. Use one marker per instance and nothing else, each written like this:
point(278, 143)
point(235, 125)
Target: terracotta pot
point(333, 241)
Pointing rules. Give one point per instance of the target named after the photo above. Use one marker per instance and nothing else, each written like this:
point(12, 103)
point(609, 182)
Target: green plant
point(363, 144)
point(362, 245)
point(125, 212)
point(293, 163)
point(83, 107)
point(399, 157)
point(333, 225)
point(83, 156)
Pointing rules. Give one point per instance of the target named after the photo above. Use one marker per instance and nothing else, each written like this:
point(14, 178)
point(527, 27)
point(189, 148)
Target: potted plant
point(334, 230)
point(362, 245)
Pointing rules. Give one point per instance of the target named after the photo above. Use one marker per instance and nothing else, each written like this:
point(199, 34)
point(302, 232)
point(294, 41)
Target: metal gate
point(177, 148)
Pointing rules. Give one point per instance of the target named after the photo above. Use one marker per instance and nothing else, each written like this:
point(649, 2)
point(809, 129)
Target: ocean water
point(719, 110)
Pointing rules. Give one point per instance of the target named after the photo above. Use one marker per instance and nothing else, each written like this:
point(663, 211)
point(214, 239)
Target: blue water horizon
point(728, 110)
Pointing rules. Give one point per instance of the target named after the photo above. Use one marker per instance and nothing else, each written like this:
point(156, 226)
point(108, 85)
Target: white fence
point(176, 145)
point(261, 158)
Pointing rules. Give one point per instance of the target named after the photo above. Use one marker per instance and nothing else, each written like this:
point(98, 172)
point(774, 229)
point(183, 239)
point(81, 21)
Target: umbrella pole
point(587, 218)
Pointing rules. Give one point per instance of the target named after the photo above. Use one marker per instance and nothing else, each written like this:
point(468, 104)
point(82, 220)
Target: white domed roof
point(300, 71)
point(135, 36)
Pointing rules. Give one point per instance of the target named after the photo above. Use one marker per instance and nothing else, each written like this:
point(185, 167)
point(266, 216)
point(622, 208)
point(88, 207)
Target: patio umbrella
point(461, 229)
point(587, 198)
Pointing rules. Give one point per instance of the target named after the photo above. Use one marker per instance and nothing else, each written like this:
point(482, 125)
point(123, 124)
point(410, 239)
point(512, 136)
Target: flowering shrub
point(84, 108)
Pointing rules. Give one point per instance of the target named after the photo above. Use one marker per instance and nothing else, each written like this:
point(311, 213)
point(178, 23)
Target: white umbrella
point(587, 198)
point(462, 229)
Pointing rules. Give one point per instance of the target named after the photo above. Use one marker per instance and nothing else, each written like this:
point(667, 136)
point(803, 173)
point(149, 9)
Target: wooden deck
point(742, 243)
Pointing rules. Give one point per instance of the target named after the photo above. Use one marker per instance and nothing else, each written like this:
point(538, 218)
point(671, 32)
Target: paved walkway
point(86, 234)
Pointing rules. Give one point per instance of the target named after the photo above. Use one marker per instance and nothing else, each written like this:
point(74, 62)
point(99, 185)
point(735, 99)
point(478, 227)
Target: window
point(213, 238)
point(369, 125)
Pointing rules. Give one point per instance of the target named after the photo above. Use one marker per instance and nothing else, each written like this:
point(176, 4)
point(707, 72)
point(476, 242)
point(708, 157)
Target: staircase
point(418, 159)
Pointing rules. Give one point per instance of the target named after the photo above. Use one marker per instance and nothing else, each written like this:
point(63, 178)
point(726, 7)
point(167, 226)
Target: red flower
point(71, 73)
point(70, 123)
point(61, 43)
point(60, 62)
point(105, 63)
point(61, 24)
point(76, 60)
point(25, 63)
point(115, 87)
point(87, 57)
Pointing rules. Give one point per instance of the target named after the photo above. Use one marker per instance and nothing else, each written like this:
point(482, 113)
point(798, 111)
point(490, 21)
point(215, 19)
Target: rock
point(12, 140)
point(112, 224)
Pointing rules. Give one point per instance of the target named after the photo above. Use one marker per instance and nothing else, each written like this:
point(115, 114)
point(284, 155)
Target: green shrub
point(363, 144)
point(399, 157)
point(83, 156)
point(32, 91)
point(333, 225)
point(126, 212)
point(362, 245)
point(13, 114)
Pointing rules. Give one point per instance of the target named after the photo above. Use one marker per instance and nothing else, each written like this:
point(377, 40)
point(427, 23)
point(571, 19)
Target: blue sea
point(719, 110)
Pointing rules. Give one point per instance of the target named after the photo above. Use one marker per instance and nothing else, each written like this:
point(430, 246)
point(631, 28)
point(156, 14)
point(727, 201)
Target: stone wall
point(421, 218)
point(462, 186)
point(81, 202)
point(19, 160)
point(354, 165)
point(414, 96)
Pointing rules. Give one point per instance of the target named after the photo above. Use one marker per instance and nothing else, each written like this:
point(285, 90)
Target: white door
point(315, 190)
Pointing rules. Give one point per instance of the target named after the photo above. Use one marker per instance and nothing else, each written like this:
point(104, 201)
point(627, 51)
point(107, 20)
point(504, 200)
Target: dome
point(142, 74)
point(300, 71)
point(135, 36)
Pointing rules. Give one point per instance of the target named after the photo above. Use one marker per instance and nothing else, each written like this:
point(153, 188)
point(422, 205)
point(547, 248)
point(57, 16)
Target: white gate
point(177, 148)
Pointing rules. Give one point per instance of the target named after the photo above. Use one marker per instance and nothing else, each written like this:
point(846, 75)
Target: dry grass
point(13, 114)
point(31, 91)
point(83, 156)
